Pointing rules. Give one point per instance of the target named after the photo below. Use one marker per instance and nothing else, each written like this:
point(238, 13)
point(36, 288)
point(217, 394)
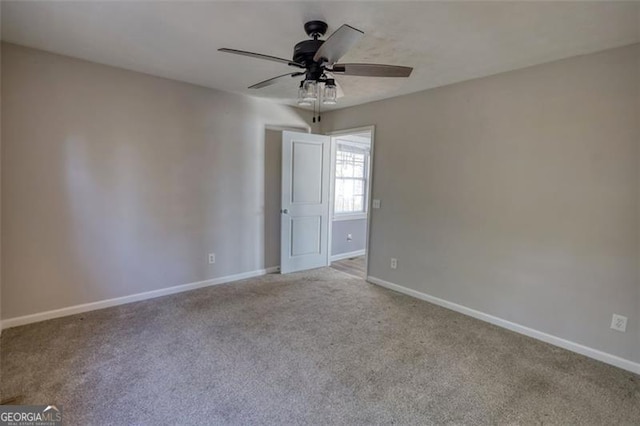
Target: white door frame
point(280, 129)
point(287, 128)
point(372, 129)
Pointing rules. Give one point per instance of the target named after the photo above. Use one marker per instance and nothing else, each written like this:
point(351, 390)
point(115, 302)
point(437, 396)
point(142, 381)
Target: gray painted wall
point(116, 183)
point(517, 195)
point(341, 229)
point(0, 174)
point(272, 195)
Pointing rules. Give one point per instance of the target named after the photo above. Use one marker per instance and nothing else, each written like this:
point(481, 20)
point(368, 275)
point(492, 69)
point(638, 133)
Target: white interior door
point(305, 201)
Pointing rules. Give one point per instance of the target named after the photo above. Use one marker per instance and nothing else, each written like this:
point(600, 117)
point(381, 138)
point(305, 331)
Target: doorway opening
point(350, 208)
point(325, 200)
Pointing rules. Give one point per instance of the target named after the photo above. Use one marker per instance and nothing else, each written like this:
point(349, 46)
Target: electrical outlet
point(394, 263)
point(349, 237)
point(212, 258)
point(376, 204)
point(619, 323)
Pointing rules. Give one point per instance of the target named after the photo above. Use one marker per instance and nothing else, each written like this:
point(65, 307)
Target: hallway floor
point(354, 266)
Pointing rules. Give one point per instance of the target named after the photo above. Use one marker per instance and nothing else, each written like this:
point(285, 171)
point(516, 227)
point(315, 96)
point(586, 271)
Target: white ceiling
point(445, 42)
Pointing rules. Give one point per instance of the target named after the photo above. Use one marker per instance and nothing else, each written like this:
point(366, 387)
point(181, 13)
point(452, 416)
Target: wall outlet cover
point(212, 258)
point(376, 204)
point(619, 323)
point(394, 263)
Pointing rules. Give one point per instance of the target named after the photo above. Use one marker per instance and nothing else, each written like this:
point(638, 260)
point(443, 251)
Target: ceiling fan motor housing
point(315, 29)
point(304, 51)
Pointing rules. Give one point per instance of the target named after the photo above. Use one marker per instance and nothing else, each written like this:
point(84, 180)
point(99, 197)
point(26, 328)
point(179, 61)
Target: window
point(352, 170)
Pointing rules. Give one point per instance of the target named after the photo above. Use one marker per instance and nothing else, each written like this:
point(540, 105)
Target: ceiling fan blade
point(372, 70)
point(338, 44)
point(261, 56)
point(339, 91)
point(273, 80)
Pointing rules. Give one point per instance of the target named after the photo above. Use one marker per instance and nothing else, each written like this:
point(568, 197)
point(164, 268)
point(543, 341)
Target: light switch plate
point(376, 204)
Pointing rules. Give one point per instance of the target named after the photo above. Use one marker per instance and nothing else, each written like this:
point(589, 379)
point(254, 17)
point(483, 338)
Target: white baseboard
point(347, 255)
point(85, 307)
point(605, 357)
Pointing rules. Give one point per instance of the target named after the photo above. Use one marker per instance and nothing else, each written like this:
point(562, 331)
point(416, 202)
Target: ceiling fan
point(317, 60)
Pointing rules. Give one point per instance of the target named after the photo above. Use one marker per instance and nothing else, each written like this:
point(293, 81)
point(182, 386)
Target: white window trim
point(367, 159)
point(349, 216)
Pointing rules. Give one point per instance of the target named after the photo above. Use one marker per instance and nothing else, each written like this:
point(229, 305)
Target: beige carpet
point(313, 348)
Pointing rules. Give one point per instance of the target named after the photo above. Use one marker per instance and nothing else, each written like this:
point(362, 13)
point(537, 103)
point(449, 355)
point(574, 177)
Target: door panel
point(305, 201)
point(305, 235)
point(307, 173)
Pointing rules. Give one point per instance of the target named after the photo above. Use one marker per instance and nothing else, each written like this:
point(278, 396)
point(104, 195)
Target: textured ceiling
point(445, 42)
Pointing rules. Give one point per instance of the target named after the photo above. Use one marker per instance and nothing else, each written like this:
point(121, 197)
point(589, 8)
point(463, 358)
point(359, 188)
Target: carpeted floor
point(320, 347)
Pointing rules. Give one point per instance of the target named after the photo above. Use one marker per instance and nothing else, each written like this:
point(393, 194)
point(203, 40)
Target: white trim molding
point(596, 354)
point(362, 129)
point(86, 307)
point(348, 255)
point(338, 217)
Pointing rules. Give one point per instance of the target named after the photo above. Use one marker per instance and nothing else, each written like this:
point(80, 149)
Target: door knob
point(284, 211)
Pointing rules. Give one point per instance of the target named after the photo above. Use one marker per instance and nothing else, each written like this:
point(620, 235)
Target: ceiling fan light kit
point(308, 91)
point(302, 96)
point(317, 60)
point(330, 92)
point(311, 91)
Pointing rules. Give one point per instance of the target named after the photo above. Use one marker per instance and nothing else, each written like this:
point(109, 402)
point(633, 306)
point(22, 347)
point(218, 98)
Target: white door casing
point(305, 201)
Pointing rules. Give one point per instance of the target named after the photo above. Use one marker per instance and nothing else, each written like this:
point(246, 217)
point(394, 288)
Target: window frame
point(366, 149)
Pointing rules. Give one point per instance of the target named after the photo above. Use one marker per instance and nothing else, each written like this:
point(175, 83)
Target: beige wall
point(116, 183)
point(516, 195)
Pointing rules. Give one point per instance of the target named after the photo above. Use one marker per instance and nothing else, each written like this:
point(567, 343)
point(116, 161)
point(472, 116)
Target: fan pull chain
point(314, 111)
